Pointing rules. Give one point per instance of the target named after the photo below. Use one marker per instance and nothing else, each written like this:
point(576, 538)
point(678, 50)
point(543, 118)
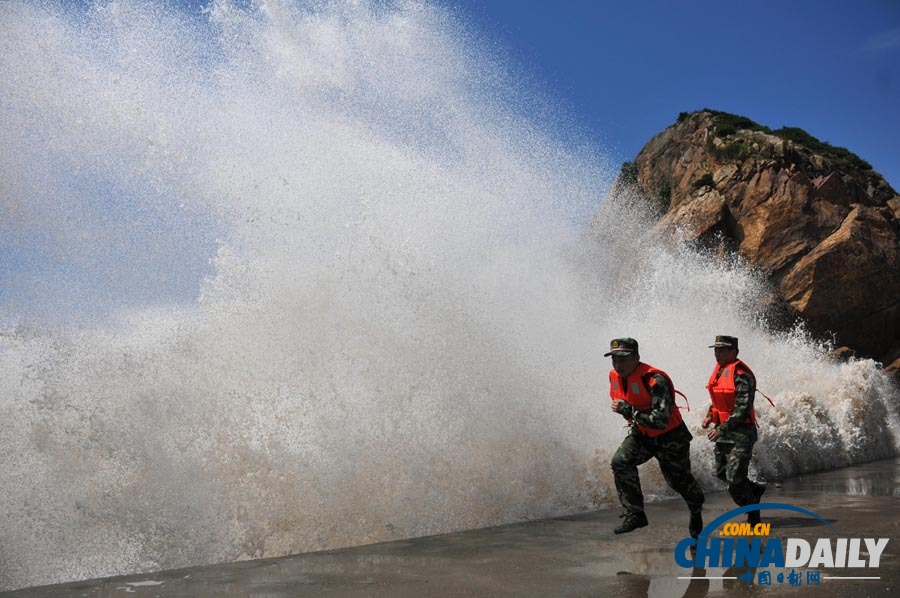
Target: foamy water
point(283, 278)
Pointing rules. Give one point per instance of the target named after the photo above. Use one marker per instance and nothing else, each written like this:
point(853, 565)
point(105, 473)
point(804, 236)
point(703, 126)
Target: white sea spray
point(291, 277)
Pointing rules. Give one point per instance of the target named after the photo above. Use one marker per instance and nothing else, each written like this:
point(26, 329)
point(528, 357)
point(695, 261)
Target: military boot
point(758, 490)
point(753, 517)
point(696, 524)
point(632, 522)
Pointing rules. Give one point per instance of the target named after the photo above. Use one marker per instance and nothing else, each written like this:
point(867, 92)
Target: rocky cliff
point(816, 219)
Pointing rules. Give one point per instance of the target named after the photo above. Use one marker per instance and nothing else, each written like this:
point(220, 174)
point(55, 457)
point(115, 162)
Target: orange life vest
point(722, 391)
point(636, 391)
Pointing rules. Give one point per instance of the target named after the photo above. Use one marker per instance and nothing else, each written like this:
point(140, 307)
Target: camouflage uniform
point(734, 447)
point(672, 451)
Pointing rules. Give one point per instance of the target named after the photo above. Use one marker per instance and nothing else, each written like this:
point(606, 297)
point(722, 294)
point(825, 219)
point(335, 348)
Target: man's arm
point(660, 405)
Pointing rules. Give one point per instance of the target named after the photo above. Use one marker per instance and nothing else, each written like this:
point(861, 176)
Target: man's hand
point(622, 408)
point(713, 434)
point(708, 419)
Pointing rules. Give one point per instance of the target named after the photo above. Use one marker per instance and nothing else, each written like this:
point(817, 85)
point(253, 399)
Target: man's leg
point(758, 490)
point(674, 457)
point(625, 461)
point(720, 454)
point(742, 489)
point(736, 467)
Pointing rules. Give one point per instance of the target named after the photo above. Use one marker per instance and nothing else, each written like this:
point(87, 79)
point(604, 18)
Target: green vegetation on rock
point(727, 125)
point(840, 155)
point(628, 173)
point(733, 150)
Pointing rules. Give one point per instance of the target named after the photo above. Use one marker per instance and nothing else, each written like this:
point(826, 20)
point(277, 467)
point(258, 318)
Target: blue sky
point(624, 70)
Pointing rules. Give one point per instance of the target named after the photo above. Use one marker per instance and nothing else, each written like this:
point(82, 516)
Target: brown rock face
point(892, 371)
point(824, 229)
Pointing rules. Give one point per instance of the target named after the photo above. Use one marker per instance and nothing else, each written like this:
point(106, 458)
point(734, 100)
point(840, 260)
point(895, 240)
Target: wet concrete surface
point(566, 556)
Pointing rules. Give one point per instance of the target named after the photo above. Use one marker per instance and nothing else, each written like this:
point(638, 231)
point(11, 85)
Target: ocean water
point(281, 277)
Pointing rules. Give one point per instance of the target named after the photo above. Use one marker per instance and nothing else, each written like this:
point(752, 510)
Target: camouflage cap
point(725, 341)
point(622, 346)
